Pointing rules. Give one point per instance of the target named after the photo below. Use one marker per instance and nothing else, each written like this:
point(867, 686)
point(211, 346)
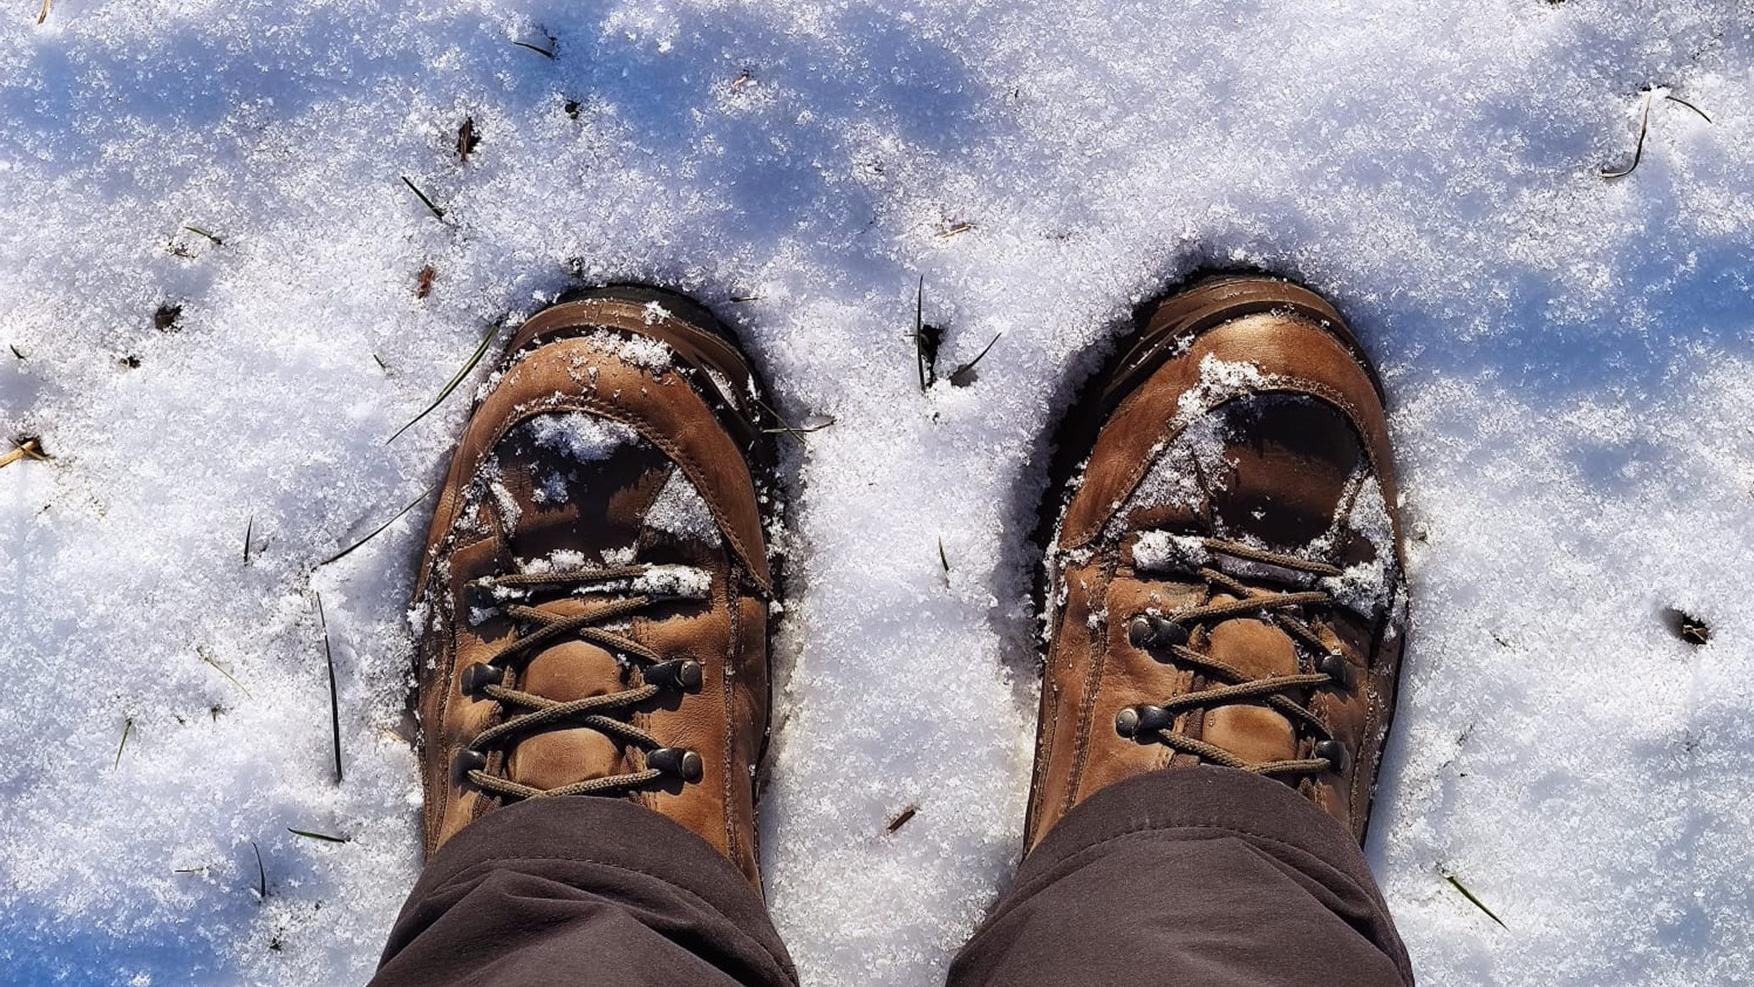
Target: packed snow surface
point(221, 297)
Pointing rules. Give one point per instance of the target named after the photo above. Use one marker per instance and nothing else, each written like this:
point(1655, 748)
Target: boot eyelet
point(678, 761)
point(1150, 631)
point(678, 673)
point(1333, 752)
point(1333, 664)
point(468, 759)
point(1142, 722)
point(477, 677)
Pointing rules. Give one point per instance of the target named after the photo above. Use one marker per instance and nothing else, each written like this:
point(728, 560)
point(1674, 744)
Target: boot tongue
point(575, 486)
point(1255, 733)
point(567, 671)
point(1285, 470)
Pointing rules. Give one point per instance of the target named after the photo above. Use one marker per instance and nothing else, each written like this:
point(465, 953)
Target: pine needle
point(43, 14)
point(964, 375)
point(261, 874)
point(338, 556)
point(26, 449)
point(468, 366)
point(926, 340)
point(201, 652)
point(249, 532)
point(544, 52)
point(334, 696)
point(319, 836)
point(1477, 903)
point(1677, 99)
point(436, 211)
point(198, 231)
point(127, 731)
point(1638, 149)
point(799, 431)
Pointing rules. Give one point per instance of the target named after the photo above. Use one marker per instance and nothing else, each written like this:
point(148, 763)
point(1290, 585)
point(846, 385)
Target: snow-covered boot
point(593, 600)
point(1224, 585)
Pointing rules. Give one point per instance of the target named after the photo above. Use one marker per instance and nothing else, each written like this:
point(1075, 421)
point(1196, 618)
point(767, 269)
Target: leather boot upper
point(593, 602)
point(1225, 583)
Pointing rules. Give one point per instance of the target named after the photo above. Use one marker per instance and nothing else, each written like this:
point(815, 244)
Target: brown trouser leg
point(1197, 876)
point(581, 890)
point(1203, 876)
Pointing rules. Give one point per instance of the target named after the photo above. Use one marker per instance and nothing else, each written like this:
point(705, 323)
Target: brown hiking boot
point(593, 601)
point(1225, 582)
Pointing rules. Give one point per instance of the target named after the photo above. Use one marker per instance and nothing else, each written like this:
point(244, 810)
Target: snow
point(581, 437)
point(1567, 356)
point(680, 511)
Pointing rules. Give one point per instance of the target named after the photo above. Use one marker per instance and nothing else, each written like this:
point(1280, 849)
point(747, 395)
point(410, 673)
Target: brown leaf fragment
point(167, 317)
point(467, 138)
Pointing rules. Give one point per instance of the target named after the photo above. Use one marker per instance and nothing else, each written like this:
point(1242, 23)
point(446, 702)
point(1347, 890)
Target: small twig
point(954, 229)
point(436, 211)
point(127, 731)
point(901, 818)
point(743, 79)
point(319, 836)
point(1638, 149)
point(334, 697)
point(43, 13)
point(1451, 878)
point(469, 365)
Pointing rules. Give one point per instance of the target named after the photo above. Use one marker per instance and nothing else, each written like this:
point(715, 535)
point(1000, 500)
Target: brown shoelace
point(601, 713)
point(1165, 638)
